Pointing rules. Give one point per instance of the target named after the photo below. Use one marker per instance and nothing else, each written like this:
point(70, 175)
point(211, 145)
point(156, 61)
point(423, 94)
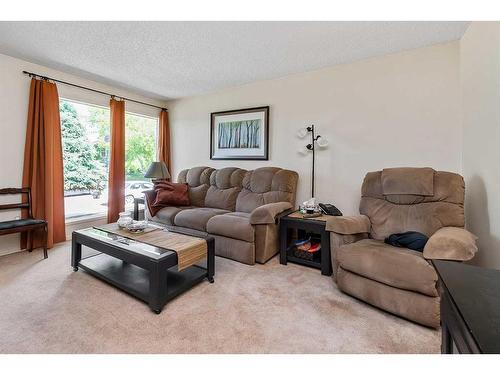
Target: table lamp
point(157, 172)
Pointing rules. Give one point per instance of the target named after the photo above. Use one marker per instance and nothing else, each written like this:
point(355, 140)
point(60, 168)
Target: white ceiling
point(176, 59)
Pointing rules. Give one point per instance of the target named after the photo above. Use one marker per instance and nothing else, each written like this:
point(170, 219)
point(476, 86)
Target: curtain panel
point(43, 163)
point(116, 188)
point(164, 140)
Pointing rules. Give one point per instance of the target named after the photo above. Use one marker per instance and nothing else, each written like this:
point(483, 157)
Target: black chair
point(28, 225)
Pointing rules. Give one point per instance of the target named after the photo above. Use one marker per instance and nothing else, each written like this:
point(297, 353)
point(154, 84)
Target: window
point(141, 134)
point(85, 131)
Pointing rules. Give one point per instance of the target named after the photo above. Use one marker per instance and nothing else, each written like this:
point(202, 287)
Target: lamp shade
point(301, 133)
point(322, 142)
point(157, 170)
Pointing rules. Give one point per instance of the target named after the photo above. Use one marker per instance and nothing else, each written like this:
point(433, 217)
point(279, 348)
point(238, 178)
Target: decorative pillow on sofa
point(171, 194)
point(166, 194)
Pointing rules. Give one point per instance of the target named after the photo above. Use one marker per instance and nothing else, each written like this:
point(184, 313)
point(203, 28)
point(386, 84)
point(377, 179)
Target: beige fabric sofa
point(239, 208)
point(400, 280)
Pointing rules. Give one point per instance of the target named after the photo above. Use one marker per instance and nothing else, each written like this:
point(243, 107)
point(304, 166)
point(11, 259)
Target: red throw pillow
point(171, 194)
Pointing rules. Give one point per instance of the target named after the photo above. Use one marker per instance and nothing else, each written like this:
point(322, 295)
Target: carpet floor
point(47, 308)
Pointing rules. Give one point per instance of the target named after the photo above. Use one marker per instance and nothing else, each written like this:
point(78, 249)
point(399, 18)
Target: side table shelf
point(295, 223)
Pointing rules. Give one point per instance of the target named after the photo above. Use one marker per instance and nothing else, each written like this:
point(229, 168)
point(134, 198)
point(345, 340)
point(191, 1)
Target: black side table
point(470, 308)
point(294, 221)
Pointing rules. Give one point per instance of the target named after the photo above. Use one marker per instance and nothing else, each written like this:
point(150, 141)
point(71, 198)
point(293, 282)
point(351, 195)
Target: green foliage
point(86, 163)
point(140, 145)
point(100, 118)
point(140, 141)
point(82, 169)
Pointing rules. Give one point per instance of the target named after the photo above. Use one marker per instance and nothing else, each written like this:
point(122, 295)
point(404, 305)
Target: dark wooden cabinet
point(470, 308)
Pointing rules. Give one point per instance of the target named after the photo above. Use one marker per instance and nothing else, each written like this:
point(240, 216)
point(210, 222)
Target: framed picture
point(242, 134)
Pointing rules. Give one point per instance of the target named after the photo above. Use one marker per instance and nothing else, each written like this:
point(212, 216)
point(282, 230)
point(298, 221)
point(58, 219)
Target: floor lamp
point(311, 147)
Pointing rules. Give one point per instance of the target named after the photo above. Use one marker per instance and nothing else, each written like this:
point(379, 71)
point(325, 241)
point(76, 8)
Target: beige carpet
point(47, 308)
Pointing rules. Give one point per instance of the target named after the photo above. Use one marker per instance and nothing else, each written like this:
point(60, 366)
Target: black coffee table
point(147, 272)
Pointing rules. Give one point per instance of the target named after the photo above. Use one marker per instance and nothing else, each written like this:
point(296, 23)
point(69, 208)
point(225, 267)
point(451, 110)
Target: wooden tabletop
point(298, 215)
point(189, 249)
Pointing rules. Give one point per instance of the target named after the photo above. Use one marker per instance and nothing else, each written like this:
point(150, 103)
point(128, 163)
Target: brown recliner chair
point(400, 280)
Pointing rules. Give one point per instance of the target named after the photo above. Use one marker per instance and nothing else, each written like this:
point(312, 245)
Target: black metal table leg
point(210, 259)
point(76, 253)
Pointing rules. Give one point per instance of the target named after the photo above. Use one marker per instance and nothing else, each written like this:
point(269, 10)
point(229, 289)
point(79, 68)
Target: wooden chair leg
point(45, 240)
point(29, 241)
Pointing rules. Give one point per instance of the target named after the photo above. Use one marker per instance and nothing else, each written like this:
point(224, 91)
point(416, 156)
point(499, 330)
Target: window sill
point(85, 219)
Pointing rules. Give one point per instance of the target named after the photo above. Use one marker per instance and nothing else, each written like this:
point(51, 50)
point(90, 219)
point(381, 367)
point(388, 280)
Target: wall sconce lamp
point(315, 140)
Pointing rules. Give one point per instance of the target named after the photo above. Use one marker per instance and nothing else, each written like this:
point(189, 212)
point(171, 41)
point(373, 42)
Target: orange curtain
point(116, 188)
point(43, 163)
point(164, 140)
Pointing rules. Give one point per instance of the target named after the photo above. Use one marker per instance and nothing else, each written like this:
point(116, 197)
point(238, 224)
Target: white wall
point(14, 95)
point(395, 110)
point(480, 80)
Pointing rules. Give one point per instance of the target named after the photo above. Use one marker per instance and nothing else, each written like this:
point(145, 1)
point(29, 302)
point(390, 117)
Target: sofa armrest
point(348, 224)
point(451, 243)
point(268, 213)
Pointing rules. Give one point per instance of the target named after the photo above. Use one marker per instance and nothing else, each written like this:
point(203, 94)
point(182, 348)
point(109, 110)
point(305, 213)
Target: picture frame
point(241, 134)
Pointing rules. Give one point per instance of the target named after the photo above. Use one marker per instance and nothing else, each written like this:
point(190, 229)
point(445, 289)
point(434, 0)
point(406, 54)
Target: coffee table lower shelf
point(135, 280)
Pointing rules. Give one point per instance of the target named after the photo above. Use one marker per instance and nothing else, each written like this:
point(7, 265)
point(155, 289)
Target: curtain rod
point(90, 89)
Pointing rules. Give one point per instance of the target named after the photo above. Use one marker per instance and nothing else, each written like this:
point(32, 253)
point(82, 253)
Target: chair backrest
point(267, 185)
point(412, 199)
point(16, 191)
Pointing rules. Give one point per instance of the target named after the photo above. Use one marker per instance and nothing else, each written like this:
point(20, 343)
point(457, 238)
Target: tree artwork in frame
point(241, 134)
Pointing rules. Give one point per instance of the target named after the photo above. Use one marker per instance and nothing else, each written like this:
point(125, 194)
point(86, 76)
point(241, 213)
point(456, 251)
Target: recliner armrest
point(268, 213)
point(348, 224)
point(451, 243)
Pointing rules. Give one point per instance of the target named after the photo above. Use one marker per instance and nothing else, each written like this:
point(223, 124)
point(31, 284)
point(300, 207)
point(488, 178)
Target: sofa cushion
point(198, 180)
point(408, 181)
point(240, 251)
point(266, 185)
point(197, 218)
point(166, 215)
point(195, 176)
point(197, 195)
point(408, 304)
point(186, 231)
point(234, 225)
point(225, 184)
point(401, 268)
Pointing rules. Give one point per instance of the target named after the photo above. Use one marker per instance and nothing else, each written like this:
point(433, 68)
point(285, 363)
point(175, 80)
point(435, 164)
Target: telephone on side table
point(329, 209)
